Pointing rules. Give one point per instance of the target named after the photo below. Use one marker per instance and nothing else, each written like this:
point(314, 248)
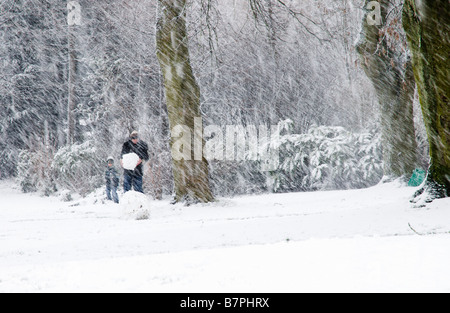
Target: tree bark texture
point(71, 101)
point(394, 85)
point(191, 177)
point(427, 26)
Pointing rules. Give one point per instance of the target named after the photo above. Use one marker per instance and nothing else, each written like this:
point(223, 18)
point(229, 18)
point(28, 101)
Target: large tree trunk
point(394, 85)
point(191, 178)
point(427, 27)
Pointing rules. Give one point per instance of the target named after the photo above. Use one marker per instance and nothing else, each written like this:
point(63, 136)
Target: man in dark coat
point(133, 178)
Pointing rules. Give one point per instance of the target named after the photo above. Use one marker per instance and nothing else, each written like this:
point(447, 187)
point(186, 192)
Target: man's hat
point(134, 134)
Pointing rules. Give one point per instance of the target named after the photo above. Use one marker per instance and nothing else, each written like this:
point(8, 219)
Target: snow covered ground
point(336, 241)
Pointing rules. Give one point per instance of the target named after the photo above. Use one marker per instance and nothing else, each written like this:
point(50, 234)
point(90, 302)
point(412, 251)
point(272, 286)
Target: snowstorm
point(203, 112)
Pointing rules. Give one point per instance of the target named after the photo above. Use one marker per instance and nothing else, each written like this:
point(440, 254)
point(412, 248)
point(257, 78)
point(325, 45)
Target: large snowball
point(135, 205)
point(130, 161)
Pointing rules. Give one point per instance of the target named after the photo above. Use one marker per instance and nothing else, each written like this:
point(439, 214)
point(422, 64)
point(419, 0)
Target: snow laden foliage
point(34, 172)
point(78, 167)
point(326, 158)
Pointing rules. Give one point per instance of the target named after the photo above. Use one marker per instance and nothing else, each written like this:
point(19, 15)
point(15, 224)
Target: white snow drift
point(336, 241)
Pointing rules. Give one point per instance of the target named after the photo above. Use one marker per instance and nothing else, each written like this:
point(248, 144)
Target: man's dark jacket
point(141, 149)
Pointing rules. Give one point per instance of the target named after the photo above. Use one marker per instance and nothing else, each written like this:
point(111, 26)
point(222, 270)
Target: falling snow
point(312, 127)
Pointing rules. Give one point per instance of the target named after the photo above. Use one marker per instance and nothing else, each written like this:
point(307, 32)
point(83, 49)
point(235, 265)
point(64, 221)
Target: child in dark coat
point(112, 181)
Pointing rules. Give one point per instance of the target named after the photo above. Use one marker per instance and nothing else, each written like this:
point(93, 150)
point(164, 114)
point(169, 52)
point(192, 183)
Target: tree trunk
point(394, 85)
point(71, 101)
point(191, 177)
point(427, 27)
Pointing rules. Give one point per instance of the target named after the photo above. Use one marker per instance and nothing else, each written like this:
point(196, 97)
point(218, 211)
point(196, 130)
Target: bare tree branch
point(259, 12)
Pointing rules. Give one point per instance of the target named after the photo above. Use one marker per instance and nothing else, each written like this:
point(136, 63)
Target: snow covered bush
point(34, 171)
point(78, 167)
point(326, 158)
point(26, 172)
point(8, 161)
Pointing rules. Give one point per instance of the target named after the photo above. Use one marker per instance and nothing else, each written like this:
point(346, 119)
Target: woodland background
point(292, 62)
